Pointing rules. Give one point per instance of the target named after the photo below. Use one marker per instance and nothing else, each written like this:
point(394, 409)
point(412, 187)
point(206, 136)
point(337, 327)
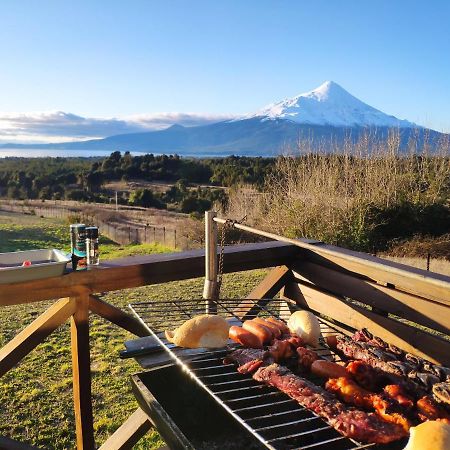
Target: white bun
point(432, 435)
point(201, 331)
point(306, 326)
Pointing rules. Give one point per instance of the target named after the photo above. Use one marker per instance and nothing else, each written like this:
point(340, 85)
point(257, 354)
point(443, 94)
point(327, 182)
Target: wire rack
point(276, 420)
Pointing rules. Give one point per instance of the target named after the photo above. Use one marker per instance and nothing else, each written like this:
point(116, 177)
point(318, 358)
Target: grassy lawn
point(36, 396)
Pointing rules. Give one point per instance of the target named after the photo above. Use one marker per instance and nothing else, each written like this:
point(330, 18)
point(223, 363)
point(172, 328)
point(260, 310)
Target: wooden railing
point(75, 299)
point(320, 277)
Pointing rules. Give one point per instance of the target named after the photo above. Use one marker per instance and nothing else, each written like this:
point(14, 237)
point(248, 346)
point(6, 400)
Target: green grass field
point(36, 396)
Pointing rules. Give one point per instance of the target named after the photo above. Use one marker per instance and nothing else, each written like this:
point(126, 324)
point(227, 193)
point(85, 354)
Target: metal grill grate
point(272, 417)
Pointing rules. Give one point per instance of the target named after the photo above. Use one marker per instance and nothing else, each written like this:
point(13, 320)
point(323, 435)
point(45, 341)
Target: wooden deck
point(320, 277)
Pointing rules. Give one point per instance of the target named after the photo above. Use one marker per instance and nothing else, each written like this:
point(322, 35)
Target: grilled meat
point(243, 356)
point(429, 409)
point(350, 422)
point(395, 372)
point(441, 392)
point(413, 362)
point(281, 350)
point(349, 391)
point(396, 392)
point(390, 410)
point(366, 376)
point(386, 407)
point(306, 357)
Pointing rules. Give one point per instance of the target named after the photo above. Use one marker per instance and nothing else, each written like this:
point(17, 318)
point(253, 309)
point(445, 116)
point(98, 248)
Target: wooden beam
point(35, 333)
point(10, 444)
point(116, 316)
point(268, 288)
point(415, 281)
point(408, 338)
point(129, 433)
point(411, 307)
point(82, 374)
point(145, 270)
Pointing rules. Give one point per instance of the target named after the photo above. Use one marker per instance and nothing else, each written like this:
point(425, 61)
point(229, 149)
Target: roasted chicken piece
point(398, 393)
point(386, 407)
point(390, 410)
point(365, 375)
point(429, 409)
point(349, 391)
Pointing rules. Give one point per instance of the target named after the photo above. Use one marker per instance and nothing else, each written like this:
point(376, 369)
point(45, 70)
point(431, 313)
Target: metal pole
point(211, 263)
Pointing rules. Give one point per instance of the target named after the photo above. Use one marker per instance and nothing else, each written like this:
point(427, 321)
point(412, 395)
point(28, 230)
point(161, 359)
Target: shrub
point(362, 196)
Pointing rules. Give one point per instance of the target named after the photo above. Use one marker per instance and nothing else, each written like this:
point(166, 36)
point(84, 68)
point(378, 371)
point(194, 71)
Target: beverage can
point(78, 246)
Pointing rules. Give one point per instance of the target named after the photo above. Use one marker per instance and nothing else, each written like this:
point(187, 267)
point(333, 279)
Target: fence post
point(81, 372)
point(154, 234)
point(428, 261)
point(164, 235)
point(175, 238)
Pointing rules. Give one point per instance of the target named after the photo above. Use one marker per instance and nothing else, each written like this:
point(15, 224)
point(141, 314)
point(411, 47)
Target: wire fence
point(121, 233)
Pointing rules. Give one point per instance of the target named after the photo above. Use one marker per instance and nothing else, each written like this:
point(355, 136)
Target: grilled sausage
point(328, 369)
point(244, 337)
point(280, 324)
point(261, 331)
point(276, 332)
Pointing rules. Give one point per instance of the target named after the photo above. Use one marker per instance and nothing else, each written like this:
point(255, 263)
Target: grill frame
point(212, 362)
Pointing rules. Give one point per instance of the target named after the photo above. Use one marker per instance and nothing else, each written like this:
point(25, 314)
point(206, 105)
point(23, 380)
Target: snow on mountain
point(329, 104)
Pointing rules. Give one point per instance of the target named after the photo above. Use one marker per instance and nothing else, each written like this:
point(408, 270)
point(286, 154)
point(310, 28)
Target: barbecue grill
point(259, 416)
point(273, 419)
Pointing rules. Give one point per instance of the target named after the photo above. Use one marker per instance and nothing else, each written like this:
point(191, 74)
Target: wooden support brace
point(116, 316)
point(35, 333)
point(268, 288)
point(82, 374)
point(129, 433)
point(410, 339)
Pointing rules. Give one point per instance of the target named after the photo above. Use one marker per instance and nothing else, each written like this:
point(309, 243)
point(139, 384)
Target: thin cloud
point(58, 126)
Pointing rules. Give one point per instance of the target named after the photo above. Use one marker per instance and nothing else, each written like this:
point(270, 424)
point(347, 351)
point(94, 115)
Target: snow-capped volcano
point(331, 105)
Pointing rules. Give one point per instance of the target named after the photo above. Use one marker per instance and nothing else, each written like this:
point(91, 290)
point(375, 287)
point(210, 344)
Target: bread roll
point(306, 326)
point(201, 331)
point(432, 435)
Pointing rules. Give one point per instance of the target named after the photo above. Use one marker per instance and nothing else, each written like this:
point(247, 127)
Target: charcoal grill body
point(184, 416)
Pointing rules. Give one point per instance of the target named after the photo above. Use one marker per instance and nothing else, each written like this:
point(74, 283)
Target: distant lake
point(43, 152)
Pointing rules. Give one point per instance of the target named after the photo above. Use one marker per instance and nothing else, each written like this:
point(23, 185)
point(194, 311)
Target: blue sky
point(118, 58)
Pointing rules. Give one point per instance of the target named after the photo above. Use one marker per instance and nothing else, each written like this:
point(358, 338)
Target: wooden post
point(210, 287)
point(79, 327)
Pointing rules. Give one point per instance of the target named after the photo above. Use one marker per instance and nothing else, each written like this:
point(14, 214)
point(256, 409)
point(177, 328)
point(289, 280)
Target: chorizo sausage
point(261, 331)
point(276, 332)
point(328, 369)
point(280, 324)
point(244, 337)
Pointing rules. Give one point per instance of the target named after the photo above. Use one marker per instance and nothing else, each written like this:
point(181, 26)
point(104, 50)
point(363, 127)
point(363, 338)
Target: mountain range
point(324, 116)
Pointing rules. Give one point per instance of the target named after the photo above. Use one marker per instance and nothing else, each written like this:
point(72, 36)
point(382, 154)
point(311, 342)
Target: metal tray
point(45, 263)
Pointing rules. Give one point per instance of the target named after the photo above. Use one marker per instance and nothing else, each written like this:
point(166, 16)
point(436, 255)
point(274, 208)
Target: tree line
point(193, 184)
